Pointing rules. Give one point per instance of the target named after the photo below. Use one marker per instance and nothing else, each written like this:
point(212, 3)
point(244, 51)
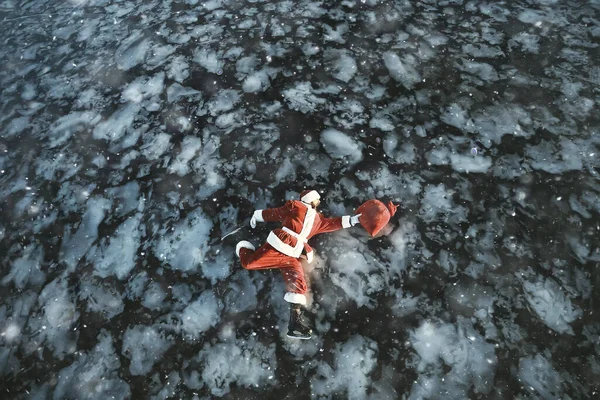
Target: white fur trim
point(284, 248)
point(244, 244)
point(258, 216)
point(310, 197)
point(301, 238)
point(346, 222)
point(309, 221)
point(310, 257)
point(295, 298)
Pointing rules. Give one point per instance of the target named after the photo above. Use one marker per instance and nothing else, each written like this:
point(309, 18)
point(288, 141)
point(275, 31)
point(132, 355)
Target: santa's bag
point(375, 215)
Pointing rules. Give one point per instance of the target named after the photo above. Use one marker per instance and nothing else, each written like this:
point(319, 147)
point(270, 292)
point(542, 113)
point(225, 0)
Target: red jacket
point(300, 223)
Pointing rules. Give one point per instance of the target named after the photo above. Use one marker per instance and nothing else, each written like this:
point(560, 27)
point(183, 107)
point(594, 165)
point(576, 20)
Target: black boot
point(296, 328)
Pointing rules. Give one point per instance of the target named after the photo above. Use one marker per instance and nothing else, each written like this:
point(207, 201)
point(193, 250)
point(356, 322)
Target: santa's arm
point(271, 214)
point(334, 224)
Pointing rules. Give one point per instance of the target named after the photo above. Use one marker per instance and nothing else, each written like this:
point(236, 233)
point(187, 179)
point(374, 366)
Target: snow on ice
point(144, 346)
point(133, 137)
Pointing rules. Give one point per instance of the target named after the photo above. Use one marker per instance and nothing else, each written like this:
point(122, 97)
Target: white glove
point(354, 219)
point(256, 217)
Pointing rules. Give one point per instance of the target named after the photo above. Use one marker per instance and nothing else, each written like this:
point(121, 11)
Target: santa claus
point(286, 245)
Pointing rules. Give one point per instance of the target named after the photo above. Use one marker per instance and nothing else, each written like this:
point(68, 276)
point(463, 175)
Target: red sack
point(375, 215)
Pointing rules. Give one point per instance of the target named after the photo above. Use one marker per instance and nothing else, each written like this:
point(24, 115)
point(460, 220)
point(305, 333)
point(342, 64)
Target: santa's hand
point(354, 219)
point(256, 217)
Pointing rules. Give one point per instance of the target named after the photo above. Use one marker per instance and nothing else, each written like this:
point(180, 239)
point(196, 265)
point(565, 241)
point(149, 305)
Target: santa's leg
point(296, 288)
point(265, 257)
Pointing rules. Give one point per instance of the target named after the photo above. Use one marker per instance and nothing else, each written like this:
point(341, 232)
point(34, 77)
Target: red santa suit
point(285, 245)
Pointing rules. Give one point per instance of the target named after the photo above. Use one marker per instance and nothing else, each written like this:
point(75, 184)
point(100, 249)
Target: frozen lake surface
point(134, 135)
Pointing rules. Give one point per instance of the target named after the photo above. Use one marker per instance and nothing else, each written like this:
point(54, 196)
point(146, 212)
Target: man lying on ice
point(285, 245)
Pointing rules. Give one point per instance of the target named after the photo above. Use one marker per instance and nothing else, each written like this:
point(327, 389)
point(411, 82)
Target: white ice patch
point(136, 285)
point(118, 124)
point(455, 115)
point(301, 98)
point(540, 378)
point(117, 255)
point(207, 166)
point(546, 156)
point(483, 71)
point(55, 326)
point(355, 270)
point(401, 70)
point(337, 34)
point(530, 16)
point(405, 154)
point(94, 375)
point(184, 245)
point(380, 181)
point(403, 247)
point(243, 292)
point(528, 42)
point(286, 171)
point(201, 314)
point(159, 55)
point(155, 145)
point(126, 198)
point(381, 122)
point(144, 346)
point(15, 127)
point(61, 130)
point(469, 163)
point(581, 249)
point(101, 298)
point(154, 296)
point(132, 51)
point(189, 147)
point(178, 69)
point(210, 60)
point(341, 146)
point(349, 113)
point(496, 121)
point(170, 389)
point(482, 50)
point(176, 92)
point(224, 101)
point(26, 270)
point(472, 361)
point(343, 66)
point(549, 302)
point(244, 363)
point(247, 65)
point(144, 88)
point(353, 362)
point(437, 205)
point(11, 332)
point(490, 123)
point(253, 83)
point(75, 246)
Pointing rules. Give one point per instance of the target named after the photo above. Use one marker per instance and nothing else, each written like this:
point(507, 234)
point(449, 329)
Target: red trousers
point(266, 257)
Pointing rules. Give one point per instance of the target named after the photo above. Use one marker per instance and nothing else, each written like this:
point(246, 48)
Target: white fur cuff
point(295, 298)
point(310, 257)
point(346, 222)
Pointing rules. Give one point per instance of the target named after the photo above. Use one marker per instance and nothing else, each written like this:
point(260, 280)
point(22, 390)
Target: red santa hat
point(308, 196)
